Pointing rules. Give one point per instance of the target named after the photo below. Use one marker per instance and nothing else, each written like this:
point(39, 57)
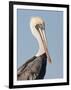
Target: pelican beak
point(44, 40)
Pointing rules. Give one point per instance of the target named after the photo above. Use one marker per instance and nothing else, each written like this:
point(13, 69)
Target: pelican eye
point(40, 26)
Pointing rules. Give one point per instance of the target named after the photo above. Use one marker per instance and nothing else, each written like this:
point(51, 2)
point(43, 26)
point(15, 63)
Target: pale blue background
point(27, 45)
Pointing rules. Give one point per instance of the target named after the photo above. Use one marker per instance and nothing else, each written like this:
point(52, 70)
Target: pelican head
point(37, 25)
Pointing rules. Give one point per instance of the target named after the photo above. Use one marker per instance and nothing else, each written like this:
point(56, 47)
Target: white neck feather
point(41, 47)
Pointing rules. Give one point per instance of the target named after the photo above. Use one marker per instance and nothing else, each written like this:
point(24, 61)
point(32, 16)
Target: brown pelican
point(35, 68)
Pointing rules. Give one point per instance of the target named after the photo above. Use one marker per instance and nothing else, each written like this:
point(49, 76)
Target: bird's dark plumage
point(33, 69)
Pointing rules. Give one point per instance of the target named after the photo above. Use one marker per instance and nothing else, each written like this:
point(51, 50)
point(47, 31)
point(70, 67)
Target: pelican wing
point(30, 70)
point(33, 69)
point(25, 65)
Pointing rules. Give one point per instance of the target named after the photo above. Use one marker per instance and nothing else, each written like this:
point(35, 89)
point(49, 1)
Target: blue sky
point(27, 45)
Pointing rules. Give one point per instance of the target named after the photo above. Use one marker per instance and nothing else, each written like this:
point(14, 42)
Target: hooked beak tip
point(49, 60)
